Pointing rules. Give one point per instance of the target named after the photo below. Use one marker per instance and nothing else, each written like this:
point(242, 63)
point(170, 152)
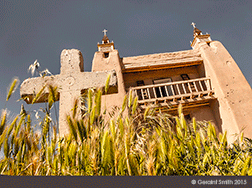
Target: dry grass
point(149, 143)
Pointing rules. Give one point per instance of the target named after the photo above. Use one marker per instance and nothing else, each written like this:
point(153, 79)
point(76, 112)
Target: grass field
point(129, 143)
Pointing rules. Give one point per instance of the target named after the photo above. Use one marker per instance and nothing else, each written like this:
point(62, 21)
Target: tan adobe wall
point(112, 62)
point(204, 113)
point(234, 104)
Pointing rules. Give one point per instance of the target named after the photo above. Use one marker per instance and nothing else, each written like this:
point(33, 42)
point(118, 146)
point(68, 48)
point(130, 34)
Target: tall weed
point(141, 143)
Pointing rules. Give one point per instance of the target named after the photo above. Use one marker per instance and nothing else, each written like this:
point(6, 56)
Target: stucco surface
point(234, 103)
point(70, 82)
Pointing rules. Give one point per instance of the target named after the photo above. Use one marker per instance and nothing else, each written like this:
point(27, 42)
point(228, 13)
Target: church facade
point(205, 80)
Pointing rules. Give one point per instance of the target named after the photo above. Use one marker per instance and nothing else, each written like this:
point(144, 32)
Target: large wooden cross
point(71, 81)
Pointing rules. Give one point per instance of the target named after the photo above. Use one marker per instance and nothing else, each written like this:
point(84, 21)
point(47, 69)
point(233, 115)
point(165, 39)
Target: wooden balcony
point(190, 93)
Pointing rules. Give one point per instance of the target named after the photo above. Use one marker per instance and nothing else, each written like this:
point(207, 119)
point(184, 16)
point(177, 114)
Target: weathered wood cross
point(71, 81)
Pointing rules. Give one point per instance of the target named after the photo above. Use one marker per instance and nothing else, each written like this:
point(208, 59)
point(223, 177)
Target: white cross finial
point(105, 31)
point(193, 24)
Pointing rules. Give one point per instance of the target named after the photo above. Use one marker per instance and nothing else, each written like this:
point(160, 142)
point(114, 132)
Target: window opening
point(106, 54)
point(190, 85)
point(161, 91)
point(141, 93)
point(185, 76)
point(140, 83)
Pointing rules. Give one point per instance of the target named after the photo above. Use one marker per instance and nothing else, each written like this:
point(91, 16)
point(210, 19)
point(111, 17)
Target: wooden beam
point(160, 66)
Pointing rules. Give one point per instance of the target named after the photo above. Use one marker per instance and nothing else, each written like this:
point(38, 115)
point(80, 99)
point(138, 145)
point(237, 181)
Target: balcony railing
point(174, 91)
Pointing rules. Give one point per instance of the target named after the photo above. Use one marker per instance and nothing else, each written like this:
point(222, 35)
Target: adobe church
point(205, 80)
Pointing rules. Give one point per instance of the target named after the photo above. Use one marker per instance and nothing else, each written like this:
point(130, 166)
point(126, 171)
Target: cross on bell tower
point(105, 31)
point(198, 36)
point(106, 46)
point(196, 31)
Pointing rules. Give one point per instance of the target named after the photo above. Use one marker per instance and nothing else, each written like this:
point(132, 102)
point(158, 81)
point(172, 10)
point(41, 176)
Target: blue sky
point(40, 30)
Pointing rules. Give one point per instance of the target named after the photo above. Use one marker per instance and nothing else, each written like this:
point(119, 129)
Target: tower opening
point(106, 54)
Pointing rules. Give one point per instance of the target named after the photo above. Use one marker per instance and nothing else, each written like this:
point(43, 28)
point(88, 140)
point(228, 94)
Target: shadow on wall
point(215, 106)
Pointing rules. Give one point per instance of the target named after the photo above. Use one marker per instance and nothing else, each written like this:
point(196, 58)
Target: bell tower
point(199, 37)
point(105, 59)
point(106, 46)
point(231, 87)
